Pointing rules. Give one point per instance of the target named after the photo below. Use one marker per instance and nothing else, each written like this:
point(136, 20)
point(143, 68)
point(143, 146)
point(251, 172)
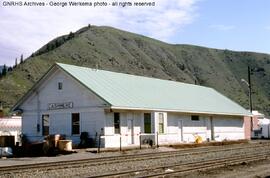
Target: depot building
point(70, 100)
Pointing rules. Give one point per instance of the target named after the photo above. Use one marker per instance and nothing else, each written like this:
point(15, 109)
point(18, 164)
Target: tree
point(57, 44)
point(71, 35)
point(47, 47)
point(4, 70)
point(16, 62)
point(21, 60)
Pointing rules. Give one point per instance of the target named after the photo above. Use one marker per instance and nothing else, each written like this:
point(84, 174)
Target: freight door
point(130, 131)
point(180, 130)
point(212, 128)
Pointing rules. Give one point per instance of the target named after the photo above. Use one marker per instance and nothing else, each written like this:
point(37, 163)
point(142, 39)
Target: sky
point(241, 25)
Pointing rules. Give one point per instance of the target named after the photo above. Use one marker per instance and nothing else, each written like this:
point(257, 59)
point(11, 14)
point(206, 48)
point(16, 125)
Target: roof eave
point(180, 111)
point(54, 67)
point(68, 73)
point(29, 92)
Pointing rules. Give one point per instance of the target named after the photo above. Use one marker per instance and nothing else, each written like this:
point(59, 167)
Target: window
point(161, 123)
point(45, 125)
point(195, 118)
point(60, 85)
point(116, 123)
point(147, 123)
point(75, 123)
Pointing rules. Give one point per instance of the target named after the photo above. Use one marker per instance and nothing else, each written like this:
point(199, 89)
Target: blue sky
point(232, 24)
point(225, 24)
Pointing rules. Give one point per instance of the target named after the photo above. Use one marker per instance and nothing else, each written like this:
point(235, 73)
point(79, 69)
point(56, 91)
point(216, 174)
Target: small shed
point(11, 126)
point(261, 125)
point(264, 125)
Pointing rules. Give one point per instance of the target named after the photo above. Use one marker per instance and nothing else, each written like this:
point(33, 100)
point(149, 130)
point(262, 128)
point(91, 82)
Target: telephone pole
point(250, 93)
point(249, 89)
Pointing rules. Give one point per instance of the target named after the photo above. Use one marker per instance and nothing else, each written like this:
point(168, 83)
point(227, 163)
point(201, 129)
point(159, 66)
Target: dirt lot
point(260, 169)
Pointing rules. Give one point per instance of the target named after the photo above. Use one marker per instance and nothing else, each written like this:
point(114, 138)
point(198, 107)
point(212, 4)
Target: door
point(180, 130)
point(212, 128)
point(268, 131)
point(130, 131)
point(45, 124)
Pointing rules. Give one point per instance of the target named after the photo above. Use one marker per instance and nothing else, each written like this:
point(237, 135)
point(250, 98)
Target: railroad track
point(184, 168)
point(127, 158)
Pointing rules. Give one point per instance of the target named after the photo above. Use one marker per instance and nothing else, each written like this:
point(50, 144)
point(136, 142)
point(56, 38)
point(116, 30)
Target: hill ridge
point(126, 52)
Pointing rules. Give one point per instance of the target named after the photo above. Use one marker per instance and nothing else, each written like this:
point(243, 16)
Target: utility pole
point(250, 98)
point(249, 87)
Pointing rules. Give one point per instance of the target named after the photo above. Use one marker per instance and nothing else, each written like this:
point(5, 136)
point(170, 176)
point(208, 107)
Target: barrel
point(65, 145)
point(53, 140)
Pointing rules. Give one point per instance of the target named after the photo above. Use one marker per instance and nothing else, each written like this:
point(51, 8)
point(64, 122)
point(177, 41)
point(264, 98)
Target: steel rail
point(213, 165)
point(182, 168)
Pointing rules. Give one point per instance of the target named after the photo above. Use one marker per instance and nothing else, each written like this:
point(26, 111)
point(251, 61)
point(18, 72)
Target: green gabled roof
point(125, 91)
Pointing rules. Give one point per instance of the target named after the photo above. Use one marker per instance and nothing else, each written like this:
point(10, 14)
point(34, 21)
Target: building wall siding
point(228, 128)
point(29, 126)
point(224, 128)
point(72, 92)
point(112, 139)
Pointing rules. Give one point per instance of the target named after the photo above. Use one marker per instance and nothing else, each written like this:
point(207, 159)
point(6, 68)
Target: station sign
point(55, 106)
